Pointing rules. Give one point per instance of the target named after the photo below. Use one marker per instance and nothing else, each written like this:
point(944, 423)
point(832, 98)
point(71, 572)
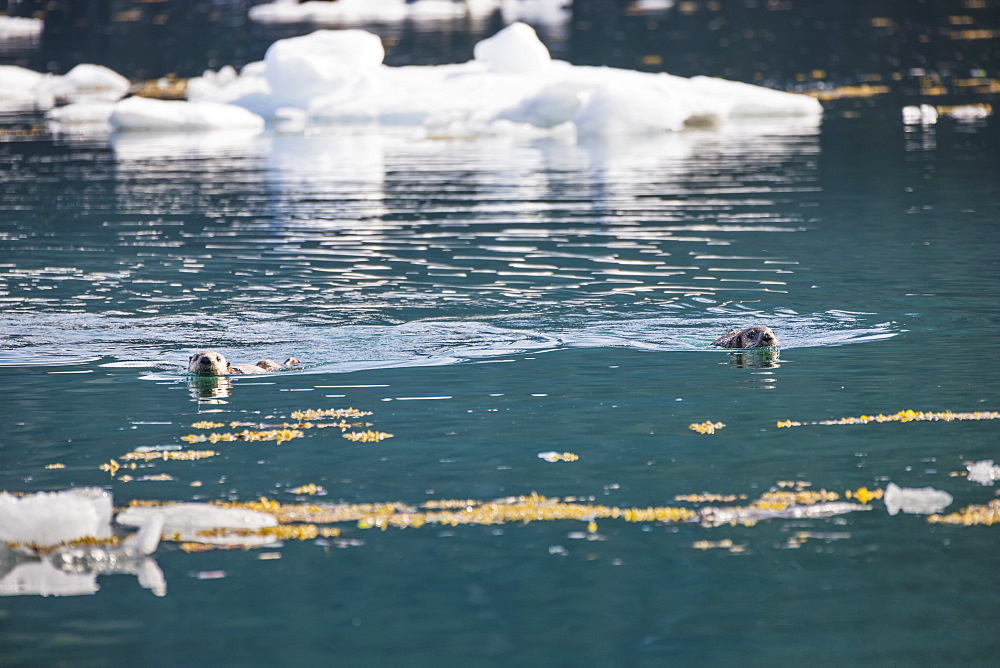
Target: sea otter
point(752, 337)
point(211, 363)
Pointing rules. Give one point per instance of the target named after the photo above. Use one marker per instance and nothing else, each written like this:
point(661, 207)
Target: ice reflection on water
point(372, 250)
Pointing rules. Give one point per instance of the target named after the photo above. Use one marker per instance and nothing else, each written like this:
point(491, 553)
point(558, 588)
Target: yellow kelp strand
point(277, 435)
point(901, 416)
point(366, 436)
point(205, 424)
point(312, 414)
point(308, 489)
point(973, 515)
point(180, 455)
point(708, 427)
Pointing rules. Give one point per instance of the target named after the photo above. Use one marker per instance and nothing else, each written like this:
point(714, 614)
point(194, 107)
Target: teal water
point(488, 300)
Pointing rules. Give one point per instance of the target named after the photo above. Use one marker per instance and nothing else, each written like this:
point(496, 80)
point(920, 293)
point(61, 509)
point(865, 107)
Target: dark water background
point(491, 299)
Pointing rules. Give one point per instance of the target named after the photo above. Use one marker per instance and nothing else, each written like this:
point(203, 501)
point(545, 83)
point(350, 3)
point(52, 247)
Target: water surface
point(490, 299)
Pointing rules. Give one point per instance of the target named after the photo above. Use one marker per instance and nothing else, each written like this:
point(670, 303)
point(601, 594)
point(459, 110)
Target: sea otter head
point(209, 363)
point(758, 337)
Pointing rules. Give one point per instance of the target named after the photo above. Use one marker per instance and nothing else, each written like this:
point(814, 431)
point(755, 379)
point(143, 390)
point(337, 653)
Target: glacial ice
point(140, 113)
point(983, 472)
point(915, 501)
point(13, 27)
point(338, 78)
point(196, 516)
point(50, 518)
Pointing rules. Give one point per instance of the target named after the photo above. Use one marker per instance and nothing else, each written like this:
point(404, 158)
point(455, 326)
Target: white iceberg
point(13, 27)
point(915, 501)
point(325, 62)
point(514, 50)
point(512, 84)
point(51, 520)
point(140, 113)
point(189, 522)
point(360, 11)
point(46, 519)
point(21, 88)
point(983, 472)
point(196, 516)
point(87, 82)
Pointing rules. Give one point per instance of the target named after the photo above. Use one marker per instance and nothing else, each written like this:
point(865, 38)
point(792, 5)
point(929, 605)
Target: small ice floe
point(717, 516)
point(204, 523)
point(983, 472)
point(966, 112)
point(22, 89)
point(90, 83)
point(361, 11)
point(47, 519)
point(57, 543)
point(923, 114)
point(14, 27)
point(915, 501)
point(139, 113)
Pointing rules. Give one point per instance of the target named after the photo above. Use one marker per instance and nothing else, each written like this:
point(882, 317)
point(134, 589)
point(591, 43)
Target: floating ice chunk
point(228, 86)
point(140, 113)
point(72, 570)
point(196, 516)
point(82, 113)
point(552, 12)
point(967, 112)
point(915, 501)
point(514, 50)
point(342, 11)
point(16, 26)
point(984, 472)
point(325, 62)
point(360, 11)
point(91, 82)
point(717, 516)
point(553, 105)
point(46, 519)
point(22, 88)
point(925, 114)
point(620, 108)
point(743, 100)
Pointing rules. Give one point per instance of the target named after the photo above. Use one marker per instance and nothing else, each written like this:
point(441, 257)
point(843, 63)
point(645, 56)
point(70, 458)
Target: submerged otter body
point(211, 363)
point(752, 337)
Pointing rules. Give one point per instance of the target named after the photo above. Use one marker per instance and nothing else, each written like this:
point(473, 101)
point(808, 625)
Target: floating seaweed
point(206, 424)
point(312, 414)
point(708, 427)
point(277, 435)
point(310, 489)
point(901, 416)
point(366, 436)
point(973, 515)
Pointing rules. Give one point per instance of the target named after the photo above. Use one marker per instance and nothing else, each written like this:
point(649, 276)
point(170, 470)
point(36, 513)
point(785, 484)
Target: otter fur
point(752, 337)
point(211, 363)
